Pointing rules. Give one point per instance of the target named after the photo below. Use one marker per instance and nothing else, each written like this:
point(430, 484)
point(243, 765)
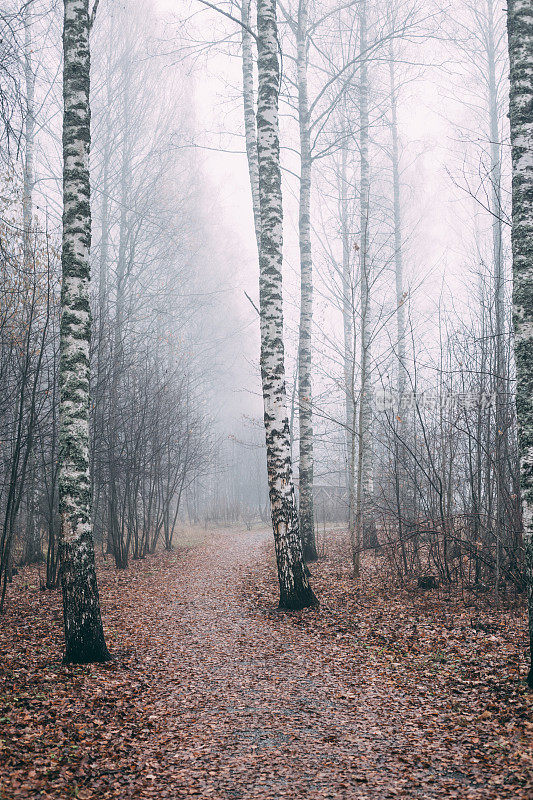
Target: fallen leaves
point(215, 694)
point(448, 677)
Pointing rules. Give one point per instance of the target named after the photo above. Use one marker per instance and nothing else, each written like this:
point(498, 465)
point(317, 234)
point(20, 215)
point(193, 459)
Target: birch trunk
point(104, 238)
point(305, 412)
point(500, 366)
point(98, 479)
point(295, 591)
point(496, 200)
point(117, 540)
point(520, 33)
point(400, 450)
point(84, 637)
point(250, 132)
point(398, 254)
point(365, 478)
point(349, 351)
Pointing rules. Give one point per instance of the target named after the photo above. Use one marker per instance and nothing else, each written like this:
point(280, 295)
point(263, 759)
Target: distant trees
point(353, 104)
point(11, 94)
point(148, 436)
point(520, 36)
point(445, 496)
point(148, 441)
point(28, 309)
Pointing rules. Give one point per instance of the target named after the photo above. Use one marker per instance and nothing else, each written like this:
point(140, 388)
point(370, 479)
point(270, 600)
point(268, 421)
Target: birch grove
point(266, 269)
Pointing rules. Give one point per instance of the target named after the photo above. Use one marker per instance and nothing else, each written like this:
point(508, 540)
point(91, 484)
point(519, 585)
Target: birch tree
point(250, 132)
point(84, 636)
point(401, 295)
point(295, 591)
point(520, 33)
point(365, 468)
point(305, 413)
point(397, 221)
point(349, 346)
point(499, 287)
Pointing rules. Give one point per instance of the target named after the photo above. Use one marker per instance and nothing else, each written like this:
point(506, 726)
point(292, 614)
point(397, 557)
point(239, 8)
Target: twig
point(229, 16)
point(253, 304)
point(93, 14)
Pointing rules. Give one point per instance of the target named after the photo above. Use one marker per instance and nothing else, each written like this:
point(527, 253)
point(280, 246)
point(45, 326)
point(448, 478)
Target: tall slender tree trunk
point(349, 351)
point(84, 636)
point(397, 215)
point(305, 410)
point(500, 366)
point(496, 201)
point(520, 32)
point(250, 132)
point(33, 546)
point(365, 477)
point(117, 540)
point(104, 239)
point(29, 127)
point(295, 591)
point(98, 479)
point(399, 448)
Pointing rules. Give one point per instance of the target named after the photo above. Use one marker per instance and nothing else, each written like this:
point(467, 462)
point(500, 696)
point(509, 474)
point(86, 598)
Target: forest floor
point(214, 694)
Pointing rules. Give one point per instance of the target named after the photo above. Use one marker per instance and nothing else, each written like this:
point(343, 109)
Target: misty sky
point(440, 220)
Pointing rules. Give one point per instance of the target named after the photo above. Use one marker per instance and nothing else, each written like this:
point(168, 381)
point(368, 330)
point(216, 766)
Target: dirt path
point(276, 721)
point(259, 713)
point(212, 696)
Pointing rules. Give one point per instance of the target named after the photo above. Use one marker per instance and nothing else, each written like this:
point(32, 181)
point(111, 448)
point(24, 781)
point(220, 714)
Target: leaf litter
point(213, 693)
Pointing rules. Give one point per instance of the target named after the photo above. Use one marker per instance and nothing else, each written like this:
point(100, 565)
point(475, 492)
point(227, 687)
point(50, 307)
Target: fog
point(266, 399)
point(171, 193)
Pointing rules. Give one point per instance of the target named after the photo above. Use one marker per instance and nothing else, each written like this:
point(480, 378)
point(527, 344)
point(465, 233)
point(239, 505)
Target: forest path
point(258, 709)
point(214, 694)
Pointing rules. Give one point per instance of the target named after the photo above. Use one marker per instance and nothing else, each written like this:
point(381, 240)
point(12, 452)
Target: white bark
point(520, 32)
point(500, 365)
point(295, 591)
point(398, 250)
point(84, 636)
point(348, 300)
point(365, 466)
point(305, 410)
point(250, 132)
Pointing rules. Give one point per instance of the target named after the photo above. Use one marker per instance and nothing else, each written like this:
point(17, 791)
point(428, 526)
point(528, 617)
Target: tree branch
point(226, 14)
point(93, 14)
point(252, 302)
